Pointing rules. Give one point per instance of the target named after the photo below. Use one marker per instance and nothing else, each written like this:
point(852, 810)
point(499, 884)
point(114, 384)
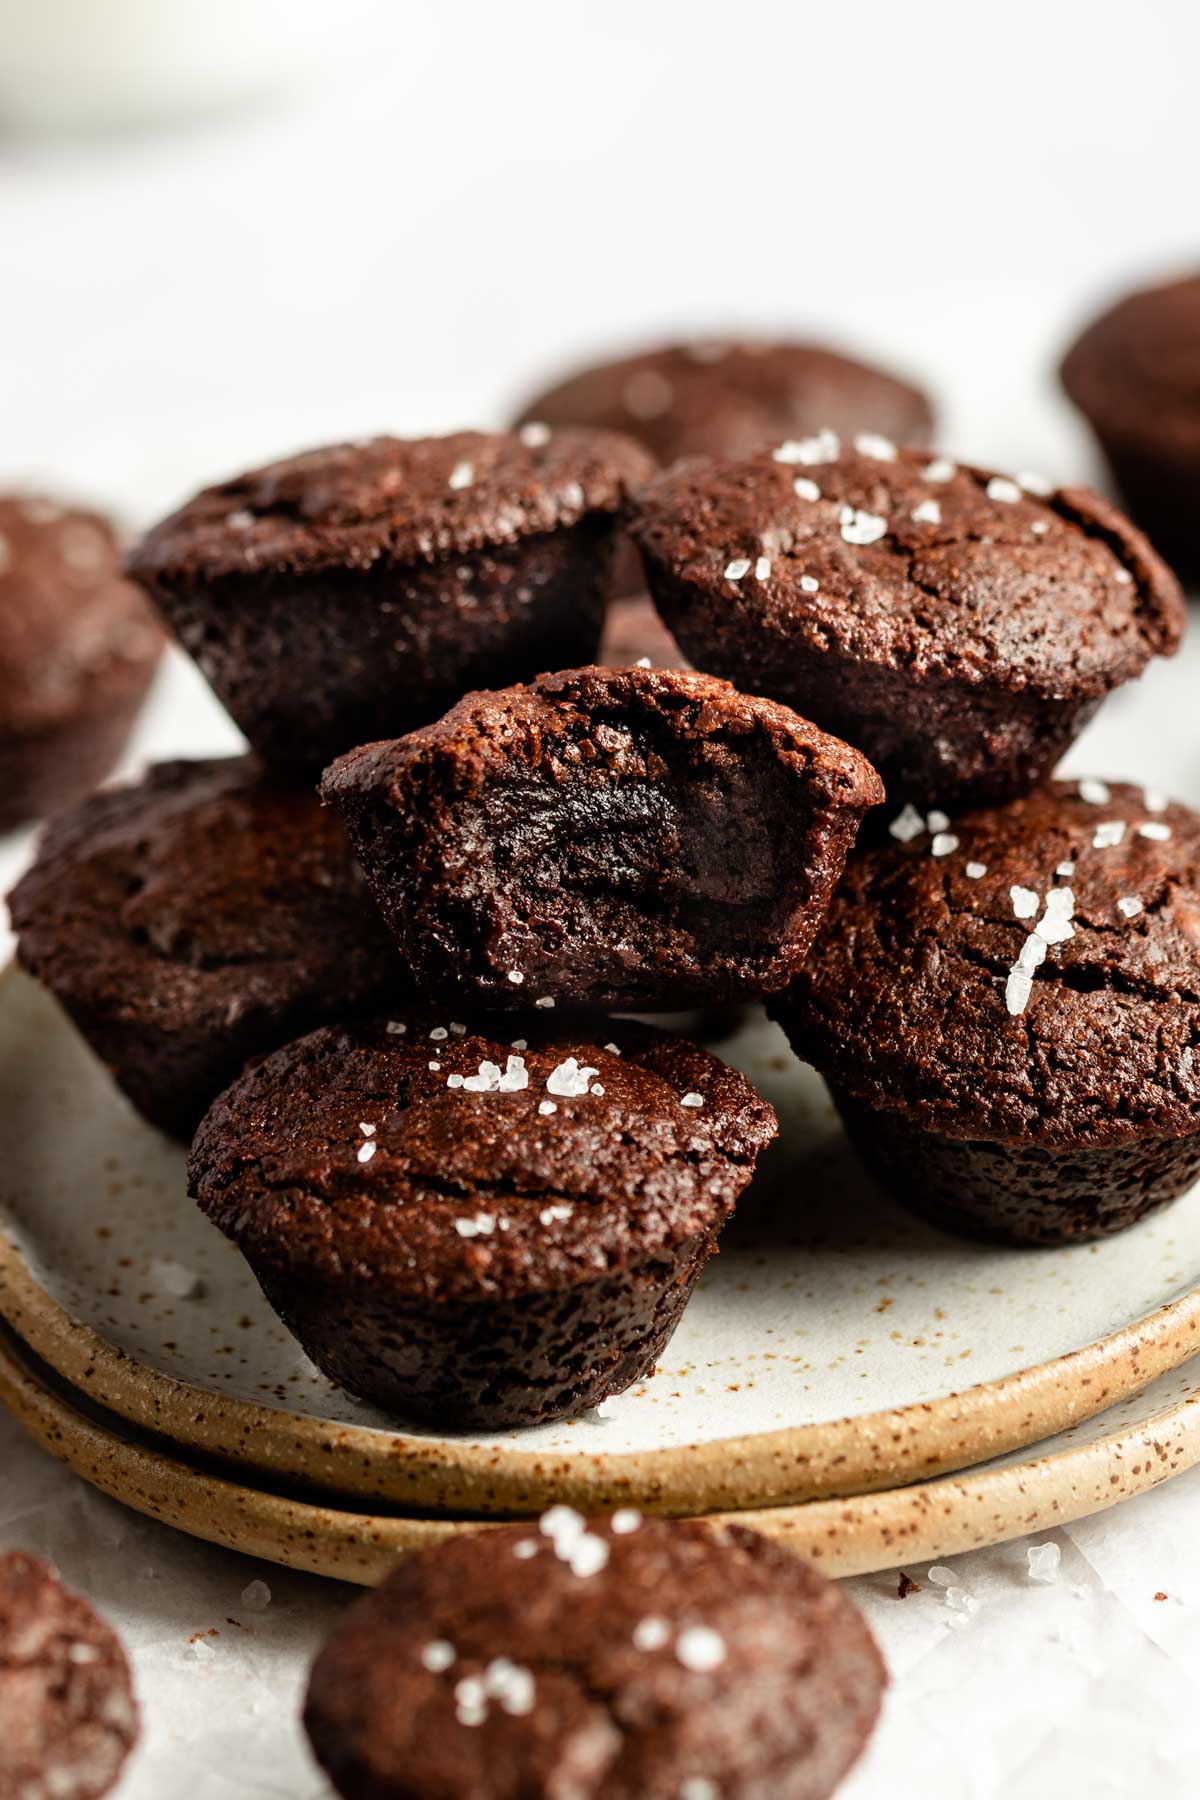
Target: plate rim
point(792, 1465)
point(858, 1535)
point(786, 1465)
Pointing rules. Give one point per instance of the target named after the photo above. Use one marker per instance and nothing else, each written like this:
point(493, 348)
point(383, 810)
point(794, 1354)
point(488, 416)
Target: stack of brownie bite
point(379, 972)
point(477, 1194)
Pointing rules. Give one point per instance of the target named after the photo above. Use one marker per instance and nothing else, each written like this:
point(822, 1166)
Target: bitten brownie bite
point(726, 398)
point(1135, 375)
point(68, 1719)
point(958, 627)
point(194, 919)
point(609, 838)
point(476, 1232)
point(78, 646)
point(1007, 1011)
point(610, 1658)
point(360, 590)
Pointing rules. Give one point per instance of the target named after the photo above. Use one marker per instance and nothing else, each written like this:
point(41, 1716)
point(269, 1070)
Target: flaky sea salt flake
point(482, 1225)
point(880, 449)
point(569, 1080)
point(700, 1649)
point(861, 527)
point(1044, 1561)
point(907, 825)
point(822, 447)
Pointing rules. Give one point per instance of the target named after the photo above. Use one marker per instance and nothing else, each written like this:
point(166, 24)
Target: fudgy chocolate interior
point(607, 838)
point(681, 841)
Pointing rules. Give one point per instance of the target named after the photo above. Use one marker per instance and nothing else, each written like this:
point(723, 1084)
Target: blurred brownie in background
point(78, 646)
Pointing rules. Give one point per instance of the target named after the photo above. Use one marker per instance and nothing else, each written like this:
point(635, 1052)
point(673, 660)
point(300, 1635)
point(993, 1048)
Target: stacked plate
point(846, 1377)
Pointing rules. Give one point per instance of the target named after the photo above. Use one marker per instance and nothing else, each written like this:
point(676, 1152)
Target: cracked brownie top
point(449, 1159)
point(390, 501)
point(1030, 971)
point(906, 561)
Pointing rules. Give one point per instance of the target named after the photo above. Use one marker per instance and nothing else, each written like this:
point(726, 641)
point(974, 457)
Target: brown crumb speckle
point(907, 1586)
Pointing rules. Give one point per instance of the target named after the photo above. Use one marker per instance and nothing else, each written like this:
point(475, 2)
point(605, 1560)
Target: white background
point(466, 199)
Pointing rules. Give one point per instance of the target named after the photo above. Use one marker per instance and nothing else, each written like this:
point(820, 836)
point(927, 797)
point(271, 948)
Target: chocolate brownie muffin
point(724, 398)
point(68, 1719)
point(1135, 375)
point(358, 591)
point(78, 646)
point(195, 919)
point(474, 1231)
point(609, 838)
point(607, 1658)
point(958, 627)
point(1006, 1009)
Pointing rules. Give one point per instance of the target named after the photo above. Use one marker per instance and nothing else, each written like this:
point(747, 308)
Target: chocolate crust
point(358, 591)
point(196, 918)
point(633, 838)
point(389, 501)
point(597, 1689)
point(481, 1256)
point(68, 1718)
point(958, 628)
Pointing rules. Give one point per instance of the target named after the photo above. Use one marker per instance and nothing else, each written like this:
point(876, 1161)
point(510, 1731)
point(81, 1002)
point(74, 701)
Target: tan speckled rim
point(855, 1455)
point(855, 1536)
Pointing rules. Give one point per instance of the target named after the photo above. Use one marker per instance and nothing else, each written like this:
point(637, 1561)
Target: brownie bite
point(358, 591)
point(78, 646)
point(958, 627)
point(1135, 376)
point(610, 838)
point(194, 919)
point(68, 1718)
point(607, 1657)
point(1006, 1010)
point(475, 1231)
point(725, 398)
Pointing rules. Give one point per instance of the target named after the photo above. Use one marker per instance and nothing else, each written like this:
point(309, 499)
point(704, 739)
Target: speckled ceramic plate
point(835, 1346)
point(1134, 1446)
